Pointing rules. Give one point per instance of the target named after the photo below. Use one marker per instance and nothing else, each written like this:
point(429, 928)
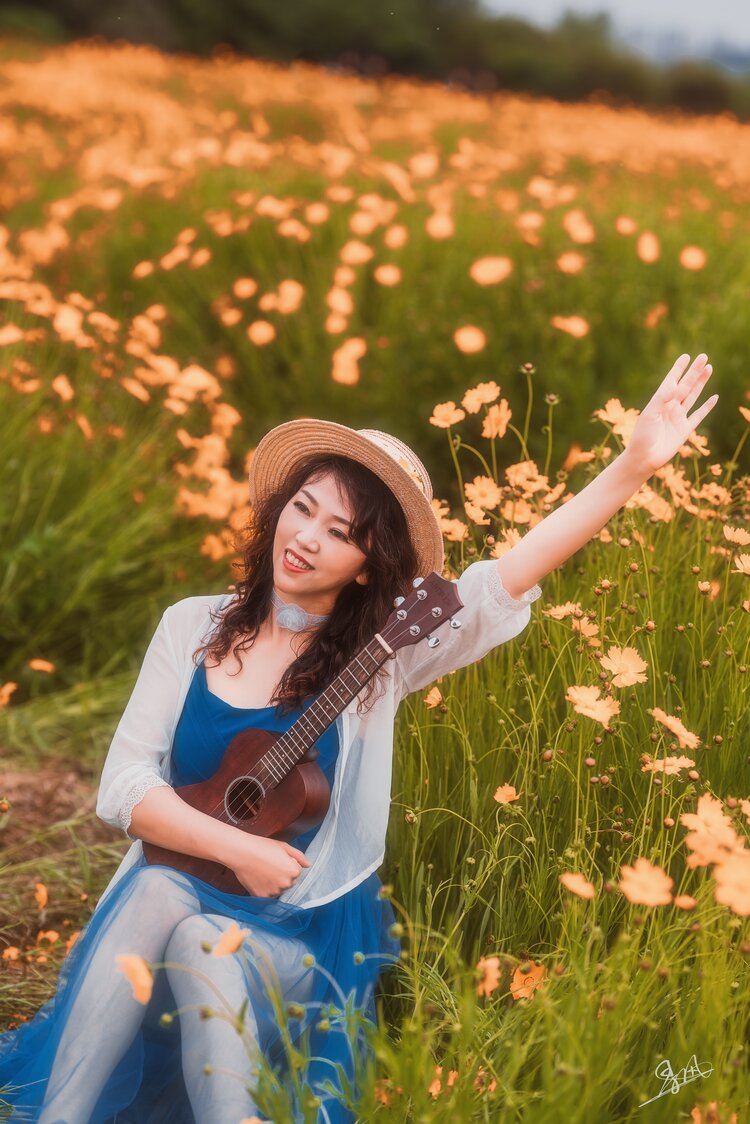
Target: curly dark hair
point(379, 529)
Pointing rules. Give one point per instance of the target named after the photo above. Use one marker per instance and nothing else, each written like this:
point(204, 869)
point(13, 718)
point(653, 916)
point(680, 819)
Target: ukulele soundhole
point(244, 798)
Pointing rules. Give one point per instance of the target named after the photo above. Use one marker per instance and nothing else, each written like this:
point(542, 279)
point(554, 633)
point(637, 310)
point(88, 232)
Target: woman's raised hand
point(663, 425)
point(265, 867)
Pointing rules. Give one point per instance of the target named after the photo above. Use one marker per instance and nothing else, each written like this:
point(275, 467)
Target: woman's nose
point(307, 538)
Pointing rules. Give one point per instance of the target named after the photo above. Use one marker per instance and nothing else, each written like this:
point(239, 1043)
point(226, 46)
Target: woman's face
point(315, 525)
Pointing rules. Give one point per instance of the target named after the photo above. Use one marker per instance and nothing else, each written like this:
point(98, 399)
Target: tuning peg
point(455, 622)
point(398, 601)
point(433, 642)
point(417, 581)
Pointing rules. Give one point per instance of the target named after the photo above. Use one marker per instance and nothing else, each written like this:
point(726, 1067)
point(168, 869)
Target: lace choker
point(294, 617)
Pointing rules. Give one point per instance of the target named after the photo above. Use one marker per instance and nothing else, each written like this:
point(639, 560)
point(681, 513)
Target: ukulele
point(268, 783)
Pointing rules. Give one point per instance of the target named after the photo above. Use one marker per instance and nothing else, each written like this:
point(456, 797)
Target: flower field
point(194, 251)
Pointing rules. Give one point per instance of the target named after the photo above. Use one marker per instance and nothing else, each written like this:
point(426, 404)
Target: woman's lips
point(295, 569)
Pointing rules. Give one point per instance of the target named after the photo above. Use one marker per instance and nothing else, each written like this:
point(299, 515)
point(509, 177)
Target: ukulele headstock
point(432, 602)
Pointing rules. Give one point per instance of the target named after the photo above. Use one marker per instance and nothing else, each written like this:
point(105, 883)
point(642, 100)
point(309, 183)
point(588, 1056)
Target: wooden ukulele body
point(243, 792)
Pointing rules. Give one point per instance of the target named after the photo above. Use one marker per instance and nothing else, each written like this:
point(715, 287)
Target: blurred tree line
point(453, 41)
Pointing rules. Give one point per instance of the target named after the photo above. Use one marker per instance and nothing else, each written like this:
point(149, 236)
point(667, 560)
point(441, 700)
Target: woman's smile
point(290, 559)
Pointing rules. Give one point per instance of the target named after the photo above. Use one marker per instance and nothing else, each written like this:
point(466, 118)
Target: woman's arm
point(497, 593)
point(662, 427)
point(143, 734)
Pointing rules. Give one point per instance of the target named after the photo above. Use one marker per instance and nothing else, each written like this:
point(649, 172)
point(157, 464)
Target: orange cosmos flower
point(686, 739)
point(139, 975)
point(340, 301)
point(343, 275)
point(648, 247)
point(476, 514)
point(655, 314)
point(433, 697)
point(489, 966)
point(625, 225)
point(496, 420)
point(621, 420)
point(587, 701)
point(61, 386)
point(732, 877)
point(345, 357)
point(316, 213)
point(588, 629)
point(469, 339)
point(244, 288)
point(230, 940)
point(396, 236)
point(578, 884)
point(736, 535)
point(529, 221)
point(692, 257)
point(645, 884)
point(422, 165)
point(387, 274)
point(40, 665)
point(573, 325)
point(484, 492)
point(571, 262)
point(526, 979)
point(711, 837)
point(362, 223)
point(355, 253)
point(626, 666)
point(446, 414)
point(439, 225)
point(669, 766)
point(490, 271)
point(289, 297)
point(578, 227)
point(506, 794)
point(41, 895)
point(435, 1088)
point(684, 901)
point(479, 395)
point(261, 332)
point(454, 530)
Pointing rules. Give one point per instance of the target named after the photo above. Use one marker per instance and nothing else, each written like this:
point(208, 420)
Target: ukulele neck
point(292, 746)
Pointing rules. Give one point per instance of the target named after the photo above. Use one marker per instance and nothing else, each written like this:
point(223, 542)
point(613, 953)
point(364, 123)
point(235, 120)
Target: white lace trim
point(135, 796)
point(499, 593)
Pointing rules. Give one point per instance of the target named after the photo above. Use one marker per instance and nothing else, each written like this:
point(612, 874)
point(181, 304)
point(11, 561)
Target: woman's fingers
point(696, 418)
point(698, 384)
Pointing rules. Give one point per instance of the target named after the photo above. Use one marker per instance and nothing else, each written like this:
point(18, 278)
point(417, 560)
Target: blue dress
point(146, 1085)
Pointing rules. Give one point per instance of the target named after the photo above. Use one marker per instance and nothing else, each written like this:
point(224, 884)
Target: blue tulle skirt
point(96, 1054)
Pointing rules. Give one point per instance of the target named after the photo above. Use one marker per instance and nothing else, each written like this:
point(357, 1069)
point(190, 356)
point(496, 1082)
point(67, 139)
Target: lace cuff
point(136, 794)
point(499, 593)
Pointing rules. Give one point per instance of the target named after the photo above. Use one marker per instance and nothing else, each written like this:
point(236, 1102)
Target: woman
point(355, 507)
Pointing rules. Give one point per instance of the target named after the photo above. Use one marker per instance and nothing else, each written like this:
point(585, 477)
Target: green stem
point(733, 461)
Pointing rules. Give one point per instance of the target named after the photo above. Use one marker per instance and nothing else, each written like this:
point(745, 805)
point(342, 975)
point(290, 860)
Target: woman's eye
point(342, 536)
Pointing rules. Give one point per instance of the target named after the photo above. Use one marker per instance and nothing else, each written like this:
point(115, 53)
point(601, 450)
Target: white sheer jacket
point(350, 843)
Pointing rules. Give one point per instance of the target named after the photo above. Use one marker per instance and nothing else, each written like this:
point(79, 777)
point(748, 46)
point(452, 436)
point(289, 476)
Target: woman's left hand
point(663, 425)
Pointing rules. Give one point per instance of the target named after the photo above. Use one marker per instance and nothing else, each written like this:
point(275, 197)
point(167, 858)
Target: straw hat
point(282, 448)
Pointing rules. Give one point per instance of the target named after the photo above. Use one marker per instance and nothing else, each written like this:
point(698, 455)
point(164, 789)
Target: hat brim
point(281, 449)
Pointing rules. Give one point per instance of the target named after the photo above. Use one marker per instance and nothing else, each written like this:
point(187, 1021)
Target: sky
point(699, 24)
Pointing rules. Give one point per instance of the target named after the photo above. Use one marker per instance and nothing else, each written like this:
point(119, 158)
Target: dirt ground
point(42, 797)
